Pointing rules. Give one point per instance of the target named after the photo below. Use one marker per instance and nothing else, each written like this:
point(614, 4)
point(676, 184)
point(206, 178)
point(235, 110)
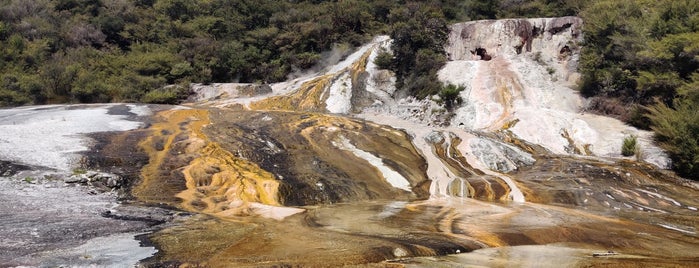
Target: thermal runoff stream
point(340, 168)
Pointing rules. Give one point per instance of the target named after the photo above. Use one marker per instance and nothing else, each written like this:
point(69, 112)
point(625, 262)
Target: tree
point(482, 9)
point(419, 33)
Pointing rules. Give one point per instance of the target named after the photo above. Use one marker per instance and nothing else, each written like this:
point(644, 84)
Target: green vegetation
point(629, 146)
point(640, 51)
point(128, 50)
point(419, 32)
point(384, 60)
point(449, 94)
point(640, 59)
point(646, 54)
point(677, 131)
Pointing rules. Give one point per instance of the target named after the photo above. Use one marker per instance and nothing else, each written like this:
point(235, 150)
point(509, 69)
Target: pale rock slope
point(519, 75)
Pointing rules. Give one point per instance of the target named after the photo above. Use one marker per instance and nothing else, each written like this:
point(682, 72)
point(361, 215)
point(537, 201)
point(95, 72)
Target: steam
point(328, 59)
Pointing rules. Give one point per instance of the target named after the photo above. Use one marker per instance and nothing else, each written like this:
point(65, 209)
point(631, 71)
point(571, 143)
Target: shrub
point(628, 148)
point(11, 98)
point(166, 95)
point(384, 60)
point(450, 95)
point(419, 34)
point(677, 132)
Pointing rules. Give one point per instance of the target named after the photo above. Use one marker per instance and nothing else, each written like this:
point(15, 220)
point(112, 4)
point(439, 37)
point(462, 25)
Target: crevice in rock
point(536, 31)
point(525, 30)
point(565, 50)
point(565, 53)
point(563, 27)
point(482, 54)
point(518, 49)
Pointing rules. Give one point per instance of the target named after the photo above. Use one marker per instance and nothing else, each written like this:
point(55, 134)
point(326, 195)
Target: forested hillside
point(640, 57)
point(127, 50)
point(640, 63)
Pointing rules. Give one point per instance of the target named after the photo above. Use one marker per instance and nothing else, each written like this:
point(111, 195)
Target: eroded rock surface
point(222, 162)
point(336, 168)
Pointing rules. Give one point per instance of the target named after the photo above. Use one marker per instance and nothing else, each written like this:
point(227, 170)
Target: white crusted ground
point(51, 136)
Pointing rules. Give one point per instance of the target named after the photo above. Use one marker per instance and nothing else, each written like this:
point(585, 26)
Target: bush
point(450, 95)
point(629, 146)
point(167, 95)
point(419, 33)
point(11, 98)
point(677, 132)
point(384, 60)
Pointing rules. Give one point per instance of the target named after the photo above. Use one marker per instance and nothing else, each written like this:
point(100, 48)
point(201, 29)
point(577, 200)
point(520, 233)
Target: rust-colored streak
point(206, 177)
point(309, 97)
point(157, 184)
point(359, 66)
point(508, 89)
point(217, 181)
point(312, 94)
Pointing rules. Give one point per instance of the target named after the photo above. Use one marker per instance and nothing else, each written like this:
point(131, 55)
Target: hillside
point(346, 164)
point(638, 62)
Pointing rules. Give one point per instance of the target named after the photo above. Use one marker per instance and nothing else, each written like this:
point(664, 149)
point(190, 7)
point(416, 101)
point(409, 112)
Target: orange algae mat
point(212, 180)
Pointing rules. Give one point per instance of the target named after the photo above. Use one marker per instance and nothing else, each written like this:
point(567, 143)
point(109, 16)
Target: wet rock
point(151, 216)
point(228, 90)
point(38, 221)
point(400, 253)
point(76, 179)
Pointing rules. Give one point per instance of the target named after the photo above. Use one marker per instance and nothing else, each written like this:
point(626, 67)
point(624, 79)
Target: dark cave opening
point(482, 53)
point(565, 50)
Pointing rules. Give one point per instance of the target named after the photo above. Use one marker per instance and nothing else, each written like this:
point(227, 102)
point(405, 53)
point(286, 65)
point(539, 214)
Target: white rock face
point(551, 38)
point(51, 136)
point(524, 71)
point(340, 96)
point(339, 93)
point(119, 250)
point(518, 74)
point(392, 177)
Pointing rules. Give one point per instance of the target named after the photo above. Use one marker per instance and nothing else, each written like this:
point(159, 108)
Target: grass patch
point(629, 146)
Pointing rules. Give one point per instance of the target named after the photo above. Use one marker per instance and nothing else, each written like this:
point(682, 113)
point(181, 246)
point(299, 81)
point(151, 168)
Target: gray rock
point(100, 180)
point(499, 156)
point(434, 138)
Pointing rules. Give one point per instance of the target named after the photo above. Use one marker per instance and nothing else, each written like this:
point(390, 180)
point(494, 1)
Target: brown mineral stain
point(156, 185)
point(217, 179)
point(213, 180)
point(311, 96)
point(308, 98)
point(508, 88)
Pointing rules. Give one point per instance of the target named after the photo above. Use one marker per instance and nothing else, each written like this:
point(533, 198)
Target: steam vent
point(339, 167)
